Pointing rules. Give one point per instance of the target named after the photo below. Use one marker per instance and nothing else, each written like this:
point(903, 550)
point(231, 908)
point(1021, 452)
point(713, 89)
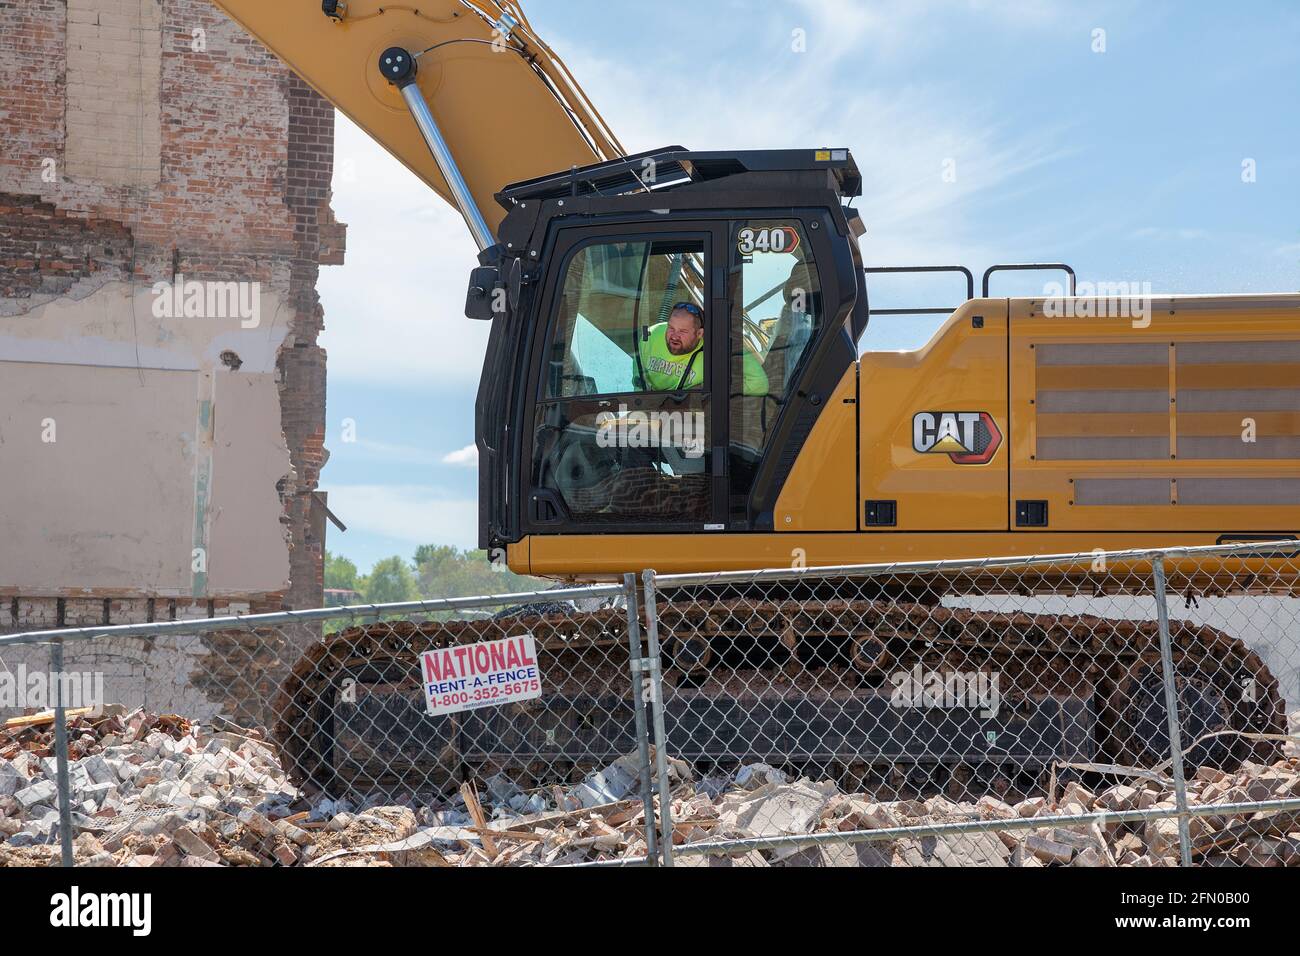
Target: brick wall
point(44, 251)
point(224, 149)
point(302, 367)
point(218, 168)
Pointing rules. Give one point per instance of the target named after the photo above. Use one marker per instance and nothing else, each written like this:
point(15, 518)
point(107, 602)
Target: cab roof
point(675, 166)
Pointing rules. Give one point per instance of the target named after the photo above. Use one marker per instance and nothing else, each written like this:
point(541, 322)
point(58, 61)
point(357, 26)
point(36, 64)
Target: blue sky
point(1125, 163)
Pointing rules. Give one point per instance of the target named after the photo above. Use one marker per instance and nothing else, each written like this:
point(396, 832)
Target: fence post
point(1171, 708)
point(639, 668)
point(61, 753)
point(657, 710)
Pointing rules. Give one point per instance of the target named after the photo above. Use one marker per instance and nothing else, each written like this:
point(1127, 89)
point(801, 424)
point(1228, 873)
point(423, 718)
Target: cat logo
point(968, 438)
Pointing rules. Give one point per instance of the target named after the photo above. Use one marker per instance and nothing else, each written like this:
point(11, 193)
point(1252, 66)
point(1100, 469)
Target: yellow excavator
point(1026, 425)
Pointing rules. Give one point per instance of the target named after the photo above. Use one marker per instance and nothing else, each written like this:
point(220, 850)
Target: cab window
point(614, 297)
point(776, 313)
point(608, 448)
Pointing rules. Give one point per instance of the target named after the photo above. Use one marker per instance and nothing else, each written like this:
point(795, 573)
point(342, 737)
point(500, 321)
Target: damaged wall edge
point(179, 476)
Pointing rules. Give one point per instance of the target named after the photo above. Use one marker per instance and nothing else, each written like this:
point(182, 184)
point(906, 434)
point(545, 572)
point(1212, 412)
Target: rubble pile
point(146, 789)
point(150, 790)
point(804, 807)
point(762, 801)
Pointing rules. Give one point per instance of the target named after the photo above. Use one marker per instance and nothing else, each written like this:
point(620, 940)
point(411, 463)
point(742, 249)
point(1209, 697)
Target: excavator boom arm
point(505, 104)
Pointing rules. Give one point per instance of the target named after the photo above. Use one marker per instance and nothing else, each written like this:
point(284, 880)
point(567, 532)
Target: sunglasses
point(690, 307)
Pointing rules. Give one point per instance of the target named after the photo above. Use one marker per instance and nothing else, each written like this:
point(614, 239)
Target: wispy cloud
point(466, 457)
point(887, 28)
point(846, 89)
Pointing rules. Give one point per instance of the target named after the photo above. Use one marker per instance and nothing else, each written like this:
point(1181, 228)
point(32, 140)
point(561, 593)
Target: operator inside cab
point(672, 355)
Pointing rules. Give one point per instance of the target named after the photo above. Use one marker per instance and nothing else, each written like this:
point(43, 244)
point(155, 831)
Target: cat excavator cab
point(763, 243)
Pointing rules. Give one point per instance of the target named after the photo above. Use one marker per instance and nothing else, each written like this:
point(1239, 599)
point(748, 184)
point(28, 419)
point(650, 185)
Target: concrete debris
point(502, 789)
point(1117, 798)
point(191, 843)
point(774, 808)
point(1048, 850)
point(1089, 857)
point(757, 774)
point(1031, 807)
point(713, 786)
point(869, 816)
point(611, 784)
point(11, 779)
point(42, 791)
point(991, 808)
point(153, 790)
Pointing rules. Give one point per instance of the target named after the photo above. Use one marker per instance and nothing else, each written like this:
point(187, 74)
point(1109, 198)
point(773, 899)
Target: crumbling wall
point(43, 251)
point(155, 457)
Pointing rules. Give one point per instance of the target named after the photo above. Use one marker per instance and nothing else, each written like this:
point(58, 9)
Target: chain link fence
point(1093, 710)
point(401, 733)
point(1121, 709)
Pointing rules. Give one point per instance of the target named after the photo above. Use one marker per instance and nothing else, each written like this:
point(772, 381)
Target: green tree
point(444, 571)
point(430, 563)
point(389, 581)
point(437, 571)
point(340, 573)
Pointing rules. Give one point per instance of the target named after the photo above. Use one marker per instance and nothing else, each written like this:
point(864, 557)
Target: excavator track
point(838, 683)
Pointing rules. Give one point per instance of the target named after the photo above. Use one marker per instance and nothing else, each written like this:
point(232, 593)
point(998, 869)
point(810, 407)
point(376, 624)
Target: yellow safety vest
point(666, 372)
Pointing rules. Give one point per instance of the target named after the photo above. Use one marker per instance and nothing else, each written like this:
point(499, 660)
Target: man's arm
point(755, 378)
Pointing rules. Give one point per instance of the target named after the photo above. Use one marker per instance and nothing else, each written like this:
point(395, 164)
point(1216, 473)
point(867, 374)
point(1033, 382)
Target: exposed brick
point(191, 610)
point(83, 612)
point(43, 252)
point(128, 611)
point(36, 614)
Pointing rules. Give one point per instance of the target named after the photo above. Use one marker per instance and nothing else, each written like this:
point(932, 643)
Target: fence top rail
point(359, 613)
point(1243, 550)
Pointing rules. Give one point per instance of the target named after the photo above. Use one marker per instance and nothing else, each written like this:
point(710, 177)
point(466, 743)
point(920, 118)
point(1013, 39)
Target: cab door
point(792, 287)
point(604, 452)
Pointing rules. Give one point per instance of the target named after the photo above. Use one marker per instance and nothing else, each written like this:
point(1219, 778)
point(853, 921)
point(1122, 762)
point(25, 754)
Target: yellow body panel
point(821, 493)
point(1178, 399)
point(606, 557)
point(502, 122)
point(962, 369)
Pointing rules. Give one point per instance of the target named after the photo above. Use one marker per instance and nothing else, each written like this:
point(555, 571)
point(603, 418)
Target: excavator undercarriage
point(825, 685)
